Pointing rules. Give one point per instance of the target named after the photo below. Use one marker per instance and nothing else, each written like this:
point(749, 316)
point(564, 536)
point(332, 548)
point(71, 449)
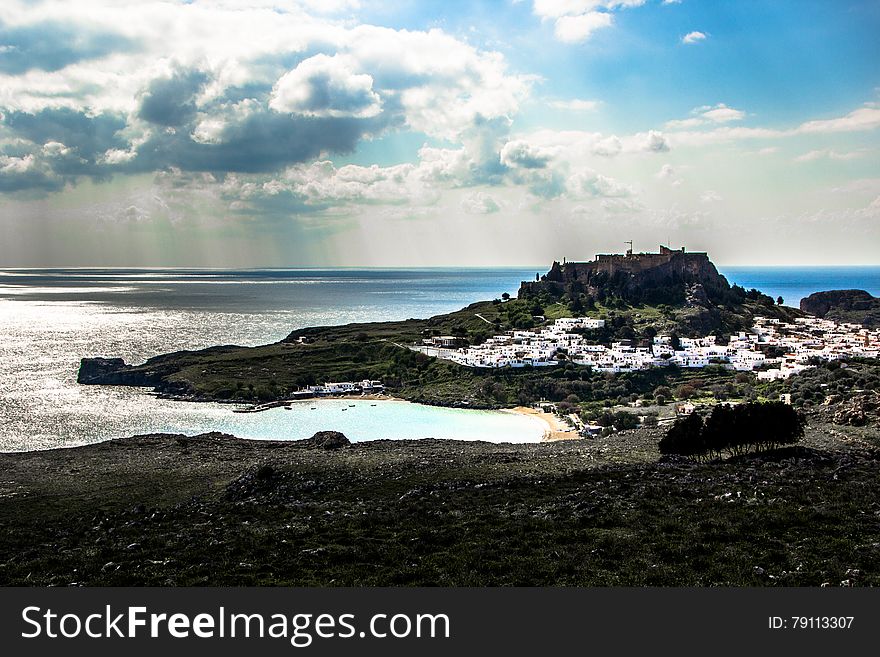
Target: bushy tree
point(684, 437)
point(685, 391)
point(735, 429)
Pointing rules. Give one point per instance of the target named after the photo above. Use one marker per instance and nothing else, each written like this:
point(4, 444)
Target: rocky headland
point(851, 306)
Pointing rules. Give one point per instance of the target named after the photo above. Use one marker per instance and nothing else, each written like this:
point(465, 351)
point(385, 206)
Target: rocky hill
point(853, 306)
point(692, 297)
point(669, 276)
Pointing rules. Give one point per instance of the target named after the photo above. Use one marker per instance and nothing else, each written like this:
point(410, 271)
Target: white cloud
point(16, 164)
point(325, 86)
point(693, 37)
point(721, 113)
point(871, 211)
point(577, 20)
point(588, 184)
point(576, 146)
point(707, 115)
point(557, 8)
point(329, 6)
point(710, 196)
point(684, 124)
point(55, 149)
point(651, 141)
point(118, 156)
point(575, 105)
point(670, 175)
point(443, 85)
point(608, 147)
point(572, 29)
point(444, 165)
point(864, 118)
point(522, 154)
point(439, 83)
point(829, 154)
point(480, 203)
point(666, 171)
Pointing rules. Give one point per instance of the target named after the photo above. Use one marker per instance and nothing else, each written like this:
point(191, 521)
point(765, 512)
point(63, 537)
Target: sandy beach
point(557, 429)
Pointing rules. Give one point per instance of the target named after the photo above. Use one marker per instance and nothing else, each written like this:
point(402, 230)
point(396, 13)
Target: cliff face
point(153, 373)
point(853, 306)
point(665, 277)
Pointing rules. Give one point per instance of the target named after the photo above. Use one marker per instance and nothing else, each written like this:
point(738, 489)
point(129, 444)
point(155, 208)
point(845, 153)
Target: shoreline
point(282, 403)
point(556, 428)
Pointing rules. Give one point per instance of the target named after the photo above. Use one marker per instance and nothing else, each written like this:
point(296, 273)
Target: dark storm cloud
point(88, 136)
point(171, 101)
point(29, 181)
point(262, 142)
point(81, 141)
point(50, 46)
point(281, 205)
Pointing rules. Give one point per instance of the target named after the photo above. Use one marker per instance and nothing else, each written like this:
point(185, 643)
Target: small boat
point(351, 405)
point(313, 408)
point(344, 409)
point(372, 404)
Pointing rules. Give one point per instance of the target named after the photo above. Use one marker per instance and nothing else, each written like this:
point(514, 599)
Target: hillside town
point(773, 348)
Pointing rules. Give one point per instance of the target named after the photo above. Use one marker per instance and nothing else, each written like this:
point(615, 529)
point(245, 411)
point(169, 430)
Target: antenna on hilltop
point(630, 250)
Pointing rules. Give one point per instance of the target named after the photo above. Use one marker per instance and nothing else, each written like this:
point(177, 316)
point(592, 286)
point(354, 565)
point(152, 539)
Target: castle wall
point(643, 268)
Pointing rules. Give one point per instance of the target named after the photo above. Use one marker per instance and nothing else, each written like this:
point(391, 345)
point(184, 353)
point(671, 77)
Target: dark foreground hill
point(215, 510)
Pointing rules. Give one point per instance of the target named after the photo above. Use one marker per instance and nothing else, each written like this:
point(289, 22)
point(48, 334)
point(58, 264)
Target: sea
point(51, 318)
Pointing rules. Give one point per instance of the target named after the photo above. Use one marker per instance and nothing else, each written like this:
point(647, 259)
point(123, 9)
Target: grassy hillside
point(171, 510)
point(378, 350)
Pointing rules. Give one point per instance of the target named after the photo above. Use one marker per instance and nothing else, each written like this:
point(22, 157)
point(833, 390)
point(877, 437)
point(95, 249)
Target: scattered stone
point(858, 410)
point(329, 440)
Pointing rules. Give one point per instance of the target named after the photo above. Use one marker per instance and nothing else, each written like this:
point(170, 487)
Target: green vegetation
point(380, 351)
point(827, 381)
point(736, 429)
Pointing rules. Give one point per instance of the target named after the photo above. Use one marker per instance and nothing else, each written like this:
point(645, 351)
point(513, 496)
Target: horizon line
point(386, 267)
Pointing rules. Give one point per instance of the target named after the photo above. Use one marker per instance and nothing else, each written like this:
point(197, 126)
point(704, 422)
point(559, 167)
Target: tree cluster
point(734, 429)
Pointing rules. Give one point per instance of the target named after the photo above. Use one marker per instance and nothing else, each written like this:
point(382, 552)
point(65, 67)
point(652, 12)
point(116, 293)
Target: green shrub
point(735, 429)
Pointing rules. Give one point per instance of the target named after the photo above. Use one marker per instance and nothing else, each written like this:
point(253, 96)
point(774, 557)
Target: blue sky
point(346, 132)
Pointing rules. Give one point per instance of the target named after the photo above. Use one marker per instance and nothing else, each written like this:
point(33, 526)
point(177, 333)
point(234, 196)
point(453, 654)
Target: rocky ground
point(216, 510)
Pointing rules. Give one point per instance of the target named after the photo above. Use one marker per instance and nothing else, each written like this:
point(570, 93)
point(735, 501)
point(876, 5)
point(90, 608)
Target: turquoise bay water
point(51, 318)
point(358, 419)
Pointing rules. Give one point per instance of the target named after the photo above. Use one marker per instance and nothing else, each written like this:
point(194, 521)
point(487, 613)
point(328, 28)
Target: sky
point(311, 133)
